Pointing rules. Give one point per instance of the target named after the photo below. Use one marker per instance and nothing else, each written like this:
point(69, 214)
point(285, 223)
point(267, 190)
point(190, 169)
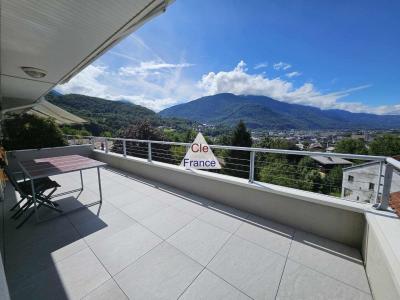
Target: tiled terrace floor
point(149, 241)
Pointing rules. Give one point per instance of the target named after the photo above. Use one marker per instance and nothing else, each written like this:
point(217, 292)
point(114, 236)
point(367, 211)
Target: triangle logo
point(200, 155)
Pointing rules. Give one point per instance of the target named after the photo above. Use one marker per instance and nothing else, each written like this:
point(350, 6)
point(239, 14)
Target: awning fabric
point(61, 116)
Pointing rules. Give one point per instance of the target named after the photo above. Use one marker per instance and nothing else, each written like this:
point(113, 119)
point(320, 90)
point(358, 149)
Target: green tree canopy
point(279, 172)
point(387, 145)
point(351, 146)
point(333, 181)
point(237, 161)
point(240, 136)
point(31, 132)
point(143, 130)
point(276, 143)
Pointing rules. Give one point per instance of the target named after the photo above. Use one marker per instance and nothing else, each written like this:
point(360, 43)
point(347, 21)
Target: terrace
point(163, 232)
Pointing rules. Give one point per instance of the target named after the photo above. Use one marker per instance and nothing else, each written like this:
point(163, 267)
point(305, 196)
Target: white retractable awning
point(61, 116)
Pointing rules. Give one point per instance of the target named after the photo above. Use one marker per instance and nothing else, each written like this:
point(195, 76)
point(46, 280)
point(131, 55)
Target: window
point(350, 178)
point(371, 186)
point(347, 192)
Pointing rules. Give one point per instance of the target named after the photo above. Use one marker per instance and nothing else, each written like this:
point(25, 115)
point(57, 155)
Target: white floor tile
point(300, 282)
point(167, 221)
point(267, 234)
point(250, 268)
point(123, 248)
point(107, 291)
point(163, 273)
point(199, 240)
point(331, 258)
point(144, 208)
point(210, 287)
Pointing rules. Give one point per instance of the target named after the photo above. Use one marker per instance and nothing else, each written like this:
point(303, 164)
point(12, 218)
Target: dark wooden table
point(51, 166)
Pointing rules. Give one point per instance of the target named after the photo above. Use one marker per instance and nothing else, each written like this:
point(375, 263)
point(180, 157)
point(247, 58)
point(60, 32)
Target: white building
point(360, 182)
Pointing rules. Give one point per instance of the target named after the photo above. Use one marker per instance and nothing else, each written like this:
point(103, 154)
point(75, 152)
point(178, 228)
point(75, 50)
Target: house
point(328, 162)
point(315, 147)
point(330, 149)
point(361, 182)
point(300, 146)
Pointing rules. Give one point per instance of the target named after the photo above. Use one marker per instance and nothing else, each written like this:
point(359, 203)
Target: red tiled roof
point(395, 202)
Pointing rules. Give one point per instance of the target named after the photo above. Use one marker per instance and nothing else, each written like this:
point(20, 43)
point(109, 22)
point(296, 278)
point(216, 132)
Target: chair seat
point(41, 184)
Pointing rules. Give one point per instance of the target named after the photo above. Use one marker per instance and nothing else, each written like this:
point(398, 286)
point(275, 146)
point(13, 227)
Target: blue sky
point(329, 54)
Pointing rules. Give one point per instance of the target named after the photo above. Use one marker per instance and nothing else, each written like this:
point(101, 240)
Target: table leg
point(81, 180)
point(98, 177)
point(34, 200)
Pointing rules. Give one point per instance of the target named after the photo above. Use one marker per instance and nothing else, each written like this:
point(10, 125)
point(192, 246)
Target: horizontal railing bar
point(395, 163)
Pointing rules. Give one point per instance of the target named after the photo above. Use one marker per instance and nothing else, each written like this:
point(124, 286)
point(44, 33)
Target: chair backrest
point(12, 179)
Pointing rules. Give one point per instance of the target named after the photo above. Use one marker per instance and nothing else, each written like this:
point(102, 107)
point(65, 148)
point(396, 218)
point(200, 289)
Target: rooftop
point(331, 160)
point(152, 241)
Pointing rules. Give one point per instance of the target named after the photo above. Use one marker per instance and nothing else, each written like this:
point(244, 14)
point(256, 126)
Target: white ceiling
point(60, 37)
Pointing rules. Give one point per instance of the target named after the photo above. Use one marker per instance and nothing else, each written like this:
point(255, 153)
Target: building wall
point(359, 190)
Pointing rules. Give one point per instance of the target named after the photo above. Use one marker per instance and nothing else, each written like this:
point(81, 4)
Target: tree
point(307, 163)
point(31, 132)
point(333, 181)
point(313, 181)
point(190, 135)
point(275, 143)
point(351, 146)
point(279, 172)
point(143, 130)
point(237, 161)
point(386, 145)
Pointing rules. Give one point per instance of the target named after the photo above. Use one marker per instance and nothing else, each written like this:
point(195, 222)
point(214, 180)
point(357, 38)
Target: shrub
point(31, 132)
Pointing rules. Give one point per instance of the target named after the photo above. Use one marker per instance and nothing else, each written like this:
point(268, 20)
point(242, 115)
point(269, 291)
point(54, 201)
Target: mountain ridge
point(107, 115)
point(267, 113)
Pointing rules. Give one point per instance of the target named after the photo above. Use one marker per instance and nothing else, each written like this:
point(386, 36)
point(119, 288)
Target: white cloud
point(134, 72)
point(153, 85)
point(145, 68)
point(282, 66)
point(87, 82)
point(293, 74)
point(146, 79)
point(261, 65)
point(239, 82)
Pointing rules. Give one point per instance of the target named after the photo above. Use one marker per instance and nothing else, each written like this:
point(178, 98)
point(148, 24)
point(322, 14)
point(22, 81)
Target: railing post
point(379, 182)
point(106, 145)
point(124, 147)
point(149, 151)
point(384, 205)
point(251, 171)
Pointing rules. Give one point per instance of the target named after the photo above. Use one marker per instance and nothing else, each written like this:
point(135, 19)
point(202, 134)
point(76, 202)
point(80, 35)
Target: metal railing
point(254, 163)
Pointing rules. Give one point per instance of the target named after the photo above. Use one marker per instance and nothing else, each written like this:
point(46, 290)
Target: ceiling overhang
point(61, 38)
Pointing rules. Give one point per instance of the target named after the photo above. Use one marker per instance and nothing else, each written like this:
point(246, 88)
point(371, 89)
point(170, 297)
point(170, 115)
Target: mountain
point(266, 113)
point(106, 115)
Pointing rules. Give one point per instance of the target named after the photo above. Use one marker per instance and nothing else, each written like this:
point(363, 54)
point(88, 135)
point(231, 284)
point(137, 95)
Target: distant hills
point(260, 112)
point(105, 115)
